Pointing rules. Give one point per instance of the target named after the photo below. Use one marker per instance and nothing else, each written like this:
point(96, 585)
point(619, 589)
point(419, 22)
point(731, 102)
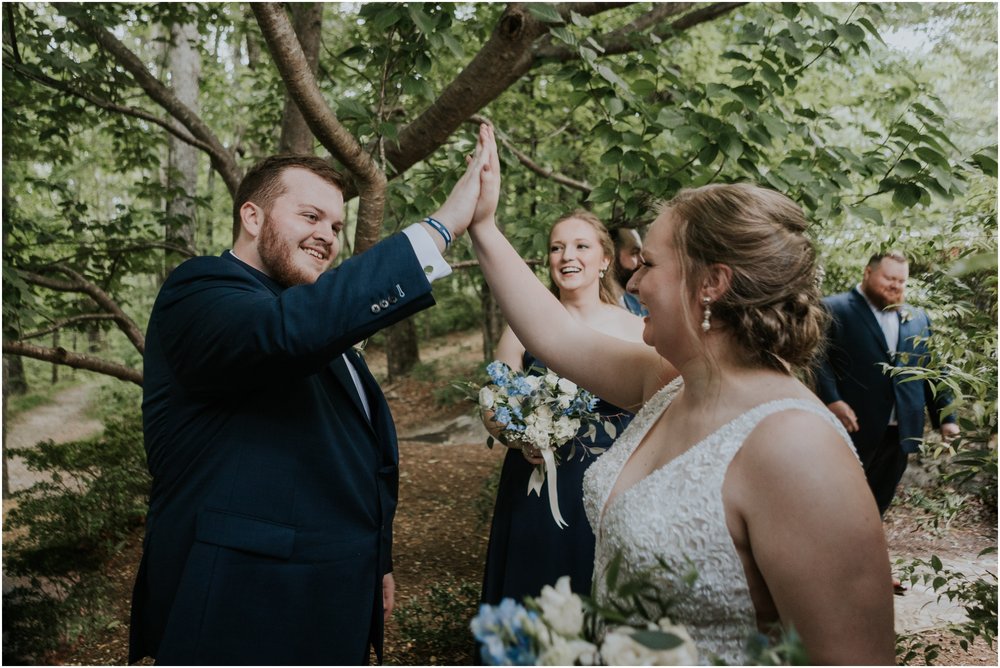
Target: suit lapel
point(864, 312)
point(908, 330)
point(338, 368)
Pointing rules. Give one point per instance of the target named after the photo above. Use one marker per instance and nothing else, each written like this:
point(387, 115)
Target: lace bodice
point(676, 513)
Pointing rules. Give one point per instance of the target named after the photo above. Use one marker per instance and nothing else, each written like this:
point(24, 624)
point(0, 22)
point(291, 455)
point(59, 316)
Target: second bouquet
point(545, 411)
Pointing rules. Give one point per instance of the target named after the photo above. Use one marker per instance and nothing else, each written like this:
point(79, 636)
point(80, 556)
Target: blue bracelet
point(441, 229)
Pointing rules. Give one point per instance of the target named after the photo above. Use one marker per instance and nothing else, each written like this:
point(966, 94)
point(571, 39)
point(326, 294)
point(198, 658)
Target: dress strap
point(758, 413)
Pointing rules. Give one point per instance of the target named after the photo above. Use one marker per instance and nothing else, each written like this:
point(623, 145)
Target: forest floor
point(442, 526)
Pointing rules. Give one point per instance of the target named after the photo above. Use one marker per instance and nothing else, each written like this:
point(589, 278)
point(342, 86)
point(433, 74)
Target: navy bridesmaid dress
point(527, 550)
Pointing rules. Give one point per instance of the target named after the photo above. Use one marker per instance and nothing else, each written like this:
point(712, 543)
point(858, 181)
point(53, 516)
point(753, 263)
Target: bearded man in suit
point(272, 450)
point(872, 326)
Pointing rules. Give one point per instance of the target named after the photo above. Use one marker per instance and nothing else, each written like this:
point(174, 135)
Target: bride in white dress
point(734, 467)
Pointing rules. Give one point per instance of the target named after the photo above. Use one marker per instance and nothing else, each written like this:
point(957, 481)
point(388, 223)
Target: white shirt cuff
point(427, 253)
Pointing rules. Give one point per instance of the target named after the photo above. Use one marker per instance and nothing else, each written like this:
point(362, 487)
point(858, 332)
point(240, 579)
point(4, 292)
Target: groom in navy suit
point(272, 450)
point(871, 326)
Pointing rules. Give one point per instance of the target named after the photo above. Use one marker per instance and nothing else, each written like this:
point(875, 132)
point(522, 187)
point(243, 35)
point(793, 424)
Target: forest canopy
point(128, 126)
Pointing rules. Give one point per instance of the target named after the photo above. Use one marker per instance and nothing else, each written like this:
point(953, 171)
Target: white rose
point(486, 398)
point(534, 382)
point(565, 429)
point(537, 435)
point(620, 648)
point(563, 652)
point(552, 380)
point(685, 654)
point(566, 386)
point(561, 608)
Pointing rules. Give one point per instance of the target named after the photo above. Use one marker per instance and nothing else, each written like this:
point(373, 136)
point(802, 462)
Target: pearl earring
point(706, 323)
point(601, 273)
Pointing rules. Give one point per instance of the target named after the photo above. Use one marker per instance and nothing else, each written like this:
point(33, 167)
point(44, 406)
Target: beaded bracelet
point(441, 229)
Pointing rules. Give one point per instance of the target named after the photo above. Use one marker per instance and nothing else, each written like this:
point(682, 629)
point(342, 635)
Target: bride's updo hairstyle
point(772, 307)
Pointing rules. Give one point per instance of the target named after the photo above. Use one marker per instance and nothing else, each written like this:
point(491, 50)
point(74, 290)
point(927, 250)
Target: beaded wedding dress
point(676, 514)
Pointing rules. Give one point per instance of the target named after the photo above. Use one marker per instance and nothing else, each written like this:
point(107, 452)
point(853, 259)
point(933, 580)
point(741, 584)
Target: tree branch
point(502, 60)
point(626, 40)
point(107, 105)
point(588, 8)
point(75, 360)
point(222, 160)
point(301, 84)
point(525, 160)
point(66, 322)
point(78, 283)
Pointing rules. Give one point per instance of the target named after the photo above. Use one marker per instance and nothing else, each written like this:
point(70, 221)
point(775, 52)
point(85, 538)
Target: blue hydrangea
point(519, 386)
point(502, 415)
point(507, 634)
point(497, 371)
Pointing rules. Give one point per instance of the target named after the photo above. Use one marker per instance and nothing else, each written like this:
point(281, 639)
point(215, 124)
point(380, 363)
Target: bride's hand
point(532, 454)
point(489, 190)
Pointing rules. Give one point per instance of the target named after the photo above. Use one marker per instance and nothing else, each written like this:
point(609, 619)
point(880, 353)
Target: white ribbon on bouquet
point(538, 475)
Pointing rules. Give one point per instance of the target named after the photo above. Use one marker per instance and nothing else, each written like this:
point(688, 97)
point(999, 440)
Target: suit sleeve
point(220, 327)
point(937, 403)
point(826, 379)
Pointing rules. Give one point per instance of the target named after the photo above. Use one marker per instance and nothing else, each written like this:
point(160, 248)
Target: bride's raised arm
point(621, 372)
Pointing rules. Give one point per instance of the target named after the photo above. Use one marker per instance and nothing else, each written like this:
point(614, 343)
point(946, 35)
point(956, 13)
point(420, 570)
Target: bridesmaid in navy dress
point(527, 550)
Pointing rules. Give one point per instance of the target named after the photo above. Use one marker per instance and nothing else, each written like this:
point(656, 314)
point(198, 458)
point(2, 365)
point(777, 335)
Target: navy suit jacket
point(852, 371)
point(270, 516)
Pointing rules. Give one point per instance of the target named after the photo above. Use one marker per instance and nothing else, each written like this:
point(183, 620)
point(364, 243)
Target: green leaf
point(632, 162)
point(657, 640)
point(545, 12)
point(453, 44)
point(906, 194)
point(564, 35)
point(603, 193)
point(612, 156)
point(906, 168)
point(932, 157)
point(708, 154)
point(748, 96)
point(424, 22)
point(851, 33)
point(736, 55)
point(987, 164)
point(387, 16)
point(870, 27)
point(731, 145)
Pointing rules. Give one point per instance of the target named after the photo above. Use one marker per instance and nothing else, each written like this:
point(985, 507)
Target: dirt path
point(62, 421)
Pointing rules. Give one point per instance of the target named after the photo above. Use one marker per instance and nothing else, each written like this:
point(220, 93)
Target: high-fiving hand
point(457, 211)
point(489, 192)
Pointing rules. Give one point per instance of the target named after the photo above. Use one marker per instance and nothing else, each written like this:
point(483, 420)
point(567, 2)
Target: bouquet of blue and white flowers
point(558, 629)
point(544, 411)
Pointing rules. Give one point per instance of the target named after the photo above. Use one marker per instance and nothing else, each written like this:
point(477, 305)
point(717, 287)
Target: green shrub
point(65, 530)
point(435, 626)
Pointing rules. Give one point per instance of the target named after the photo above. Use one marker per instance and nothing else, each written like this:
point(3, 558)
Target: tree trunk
point(402, 353)
point(184, 63)
point(493, 323)
point(55, 367)
point(6, 389)
point(307, 19)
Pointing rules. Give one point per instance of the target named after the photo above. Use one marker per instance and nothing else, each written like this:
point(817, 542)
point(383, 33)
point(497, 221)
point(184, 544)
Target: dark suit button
point(384, 303)
point(392, 299)
point(375, 308)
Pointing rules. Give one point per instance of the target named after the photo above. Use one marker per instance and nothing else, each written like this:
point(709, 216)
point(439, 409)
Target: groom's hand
point(456, 212)
point(388, 596)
